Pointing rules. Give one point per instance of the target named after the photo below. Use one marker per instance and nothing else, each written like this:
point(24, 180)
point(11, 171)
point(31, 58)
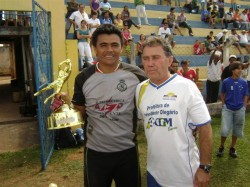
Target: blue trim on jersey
point(168, 80)
point(202, 124)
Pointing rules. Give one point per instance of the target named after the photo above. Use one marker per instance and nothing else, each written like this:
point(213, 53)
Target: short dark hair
point(184, 62)
point(235, 65)
point(158, 41)
point(106, 29)
point(171, 9)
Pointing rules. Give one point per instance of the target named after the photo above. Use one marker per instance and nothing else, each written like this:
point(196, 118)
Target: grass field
point(22, 169)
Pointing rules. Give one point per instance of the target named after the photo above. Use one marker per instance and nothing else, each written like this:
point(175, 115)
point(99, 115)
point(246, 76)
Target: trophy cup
point(64, 116)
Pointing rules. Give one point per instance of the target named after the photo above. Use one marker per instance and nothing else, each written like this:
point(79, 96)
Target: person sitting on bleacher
point(126, 17)
point(228, 18)
point(214, 16)
point(118, 21)
point(234, 37)
point(199, 48)
point(245, 24)
point(243, 41)
point(182, 21)
point(106, 19)
point(236, 19)
point(171, 19)
point(106, 7)
point(221, 37)
point(206, 15)
point(210, 47)
point(164, 30)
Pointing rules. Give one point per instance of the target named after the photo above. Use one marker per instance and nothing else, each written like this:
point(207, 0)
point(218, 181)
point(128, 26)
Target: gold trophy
point(64, 116)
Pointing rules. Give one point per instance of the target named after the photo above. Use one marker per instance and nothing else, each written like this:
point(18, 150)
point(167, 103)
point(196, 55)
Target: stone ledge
point(215, 108)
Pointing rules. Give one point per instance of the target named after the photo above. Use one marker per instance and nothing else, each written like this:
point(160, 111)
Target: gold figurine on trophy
point(65, 68)
point(64, 116)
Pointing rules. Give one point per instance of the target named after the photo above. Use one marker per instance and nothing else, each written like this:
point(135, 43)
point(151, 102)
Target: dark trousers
point(212, 91)
point(101, 168)
point(185, 25)
point(130, 23)
point(226, 23)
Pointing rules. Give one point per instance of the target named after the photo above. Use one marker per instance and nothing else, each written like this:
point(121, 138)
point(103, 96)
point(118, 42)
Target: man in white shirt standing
point(214, 70)
point(77, 16)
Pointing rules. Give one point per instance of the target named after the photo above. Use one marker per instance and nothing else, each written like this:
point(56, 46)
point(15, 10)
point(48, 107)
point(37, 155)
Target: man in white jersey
point(172, 108)
point(104, 93)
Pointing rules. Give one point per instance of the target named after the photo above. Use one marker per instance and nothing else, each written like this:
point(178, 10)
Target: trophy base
point(64, 119)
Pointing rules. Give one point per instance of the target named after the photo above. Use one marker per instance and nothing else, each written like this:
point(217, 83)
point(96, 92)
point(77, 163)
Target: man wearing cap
point(243, 41)
point(214, 66)
point(221, 37)
point(225, 73)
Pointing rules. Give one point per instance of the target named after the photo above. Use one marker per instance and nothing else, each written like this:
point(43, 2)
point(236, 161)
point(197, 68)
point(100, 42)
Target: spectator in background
point(236, 19)
point(214, 16)
point(76, 18)
point(130, 51)
point(235, 38)
point(243, 41)
point(95, 7)
point(174, 67)
point(94, 22)
point(226, 73)
point(171, 19)
point(126, 33)
point(83, 35)
point(182, 21)
point(164, 30)
point(221, 37)
point(209, 45)
point(72, 6)
point(214, 70)
point(170, 41)
point(234, 98)
point(118, 21)
point(228, 18)
point(106, 19)
point(140, 9)
point(206, 15)
point(106, 7)
point(199, 48)
point(188, 72)
point(126, 17)
point(245, 24)
point(140, 44)
point(221, 8)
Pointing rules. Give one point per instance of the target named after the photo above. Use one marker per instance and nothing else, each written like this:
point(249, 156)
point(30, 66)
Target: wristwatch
point(206, 168)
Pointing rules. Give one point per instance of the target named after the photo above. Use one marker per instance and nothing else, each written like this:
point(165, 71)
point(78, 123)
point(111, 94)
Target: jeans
point(232, 120)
